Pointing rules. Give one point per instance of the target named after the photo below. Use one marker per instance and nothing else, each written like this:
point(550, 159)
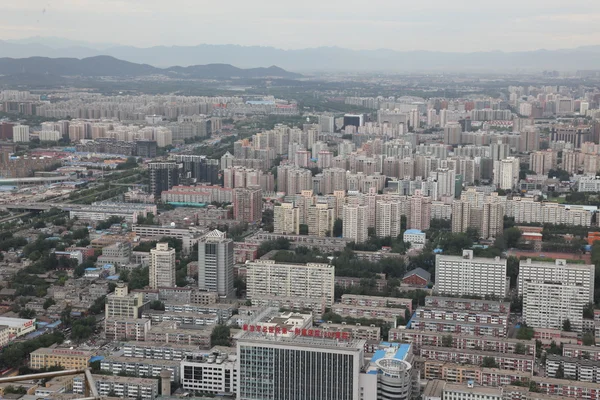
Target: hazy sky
point(459, 25)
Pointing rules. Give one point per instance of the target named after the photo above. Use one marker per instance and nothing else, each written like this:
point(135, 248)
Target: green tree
point(520, 348)
point(560, 372)
point(447, 341)
point(566, 325)
point(157, 305)
point(303, 229)
point(525, 333)
point(588, 339)
point(49, 303)
point(26, 313)
point(220, 336)
point(338, 225)
point(489, 362)
point(512, 236)
point(472, 233)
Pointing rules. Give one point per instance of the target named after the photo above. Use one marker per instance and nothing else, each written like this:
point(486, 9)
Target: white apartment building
point(162, 266)
point(49, 136)
point(308, 281)
point(20, 133)
point(554, 292)
point(388, 216)
point(468, 275)
point(506, 173)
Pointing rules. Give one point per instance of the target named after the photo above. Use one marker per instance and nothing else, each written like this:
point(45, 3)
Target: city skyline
point(437, 26)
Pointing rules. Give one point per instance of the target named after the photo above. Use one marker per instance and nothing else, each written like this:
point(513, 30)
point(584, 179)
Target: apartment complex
point(302, 281)
point(555, 292)
point(469, 275)
point(45, 357)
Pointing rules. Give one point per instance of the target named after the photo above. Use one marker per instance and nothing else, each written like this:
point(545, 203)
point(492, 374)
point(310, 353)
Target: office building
point(162, 266)
point(355, 225)
point(247, 205)
point(215, 264)
point(415, 237)
point(555, 292)
point(471, 276)
point(213, 372)
point(298, 367)
point(163, 176)
point(438, 390)
point(302, 281)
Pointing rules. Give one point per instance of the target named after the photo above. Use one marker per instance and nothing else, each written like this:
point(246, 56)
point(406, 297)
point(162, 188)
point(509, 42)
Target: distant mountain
point(313, 59)
point(110, 66)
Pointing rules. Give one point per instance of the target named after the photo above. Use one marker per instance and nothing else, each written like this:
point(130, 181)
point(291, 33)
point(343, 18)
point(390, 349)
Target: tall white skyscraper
point(215, 264)
point(162, 266)
point(20, 133)
point(506, 173)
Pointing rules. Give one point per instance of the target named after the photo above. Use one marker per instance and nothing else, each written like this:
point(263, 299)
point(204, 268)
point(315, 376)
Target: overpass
point(42, 206)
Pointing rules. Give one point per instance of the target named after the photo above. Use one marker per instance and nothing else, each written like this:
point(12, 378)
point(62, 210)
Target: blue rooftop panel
point(402, 351)
point(379, 354)
point(412, 231)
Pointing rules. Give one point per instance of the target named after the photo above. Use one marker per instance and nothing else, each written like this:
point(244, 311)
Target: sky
point(436, 25)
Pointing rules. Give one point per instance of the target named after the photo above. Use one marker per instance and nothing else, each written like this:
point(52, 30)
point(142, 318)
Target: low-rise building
point(213, 372)
point(516, 362)
point(45, 357)
point(358, 331)
point(119, 386)
point(182, 318)
point(158, 351)
point(376, 301)
point(140, 367)
point(415, 237)
point(462, 341)
point(573, 368)
point(119, 328)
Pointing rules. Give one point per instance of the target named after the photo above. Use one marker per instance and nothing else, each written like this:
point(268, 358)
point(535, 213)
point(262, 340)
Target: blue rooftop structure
point(96, 358)
point(413, 231)
point(402, 351)
point(113, 278)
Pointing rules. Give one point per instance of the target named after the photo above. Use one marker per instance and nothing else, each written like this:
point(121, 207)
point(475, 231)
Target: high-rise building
point(420, 211)
point(529, 139)
point(470, 276)
point(554, 292)
point(542, 161)
point(452, 133)
point(506, 173)
point(388, 215)
point(301, 281)
point(492, 223)
point(499, 150)
point(198, 168)
point(20, 133)
point(163, 176)
point(247, 205)
point(320, 219)
point(355, 223)
point(162, 266)
point(461, 214)
point(277, 367)
point(215, 264)
point(286, 219)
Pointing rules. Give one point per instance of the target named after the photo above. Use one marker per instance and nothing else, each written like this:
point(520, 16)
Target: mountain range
point(311, 59)
point(110, 66)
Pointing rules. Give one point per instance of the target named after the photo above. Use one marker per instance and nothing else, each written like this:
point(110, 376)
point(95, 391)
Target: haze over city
point(462, 26)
